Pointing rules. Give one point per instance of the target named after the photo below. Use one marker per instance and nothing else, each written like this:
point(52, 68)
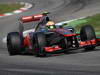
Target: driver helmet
point(50, 25)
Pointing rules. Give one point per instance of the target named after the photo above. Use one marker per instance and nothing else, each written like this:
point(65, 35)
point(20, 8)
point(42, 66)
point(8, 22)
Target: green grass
point(6, 8)
point(91, 20)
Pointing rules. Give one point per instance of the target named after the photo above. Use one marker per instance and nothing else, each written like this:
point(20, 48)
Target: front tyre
point(87, 33)
point(39, 42)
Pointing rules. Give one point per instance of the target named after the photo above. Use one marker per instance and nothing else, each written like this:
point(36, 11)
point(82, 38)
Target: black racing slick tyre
point(14, 43)
point(39, 42)
point(87, 33)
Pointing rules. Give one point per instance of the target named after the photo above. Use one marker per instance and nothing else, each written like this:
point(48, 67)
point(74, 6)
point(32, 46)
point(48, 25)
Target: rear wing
point(31, 18)
point(27, 19)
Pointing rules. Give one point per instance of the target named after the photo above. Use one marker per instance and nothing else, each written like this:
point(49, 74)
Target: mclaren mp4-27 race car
point(43, 41)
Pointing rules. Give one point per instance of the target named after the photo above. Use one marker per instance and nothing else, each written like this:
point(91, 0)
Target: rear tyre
point(87, 33)
point(39, 42)
point(14, 43)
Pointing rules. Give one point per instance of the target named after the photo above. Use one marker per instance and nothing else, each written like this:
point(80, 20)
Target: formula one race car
point(42, 42)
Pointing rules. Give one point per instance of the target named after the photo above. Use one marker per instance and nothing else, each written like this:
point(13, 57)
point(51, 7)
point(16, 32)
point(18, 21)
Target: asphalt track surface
point(77, 62)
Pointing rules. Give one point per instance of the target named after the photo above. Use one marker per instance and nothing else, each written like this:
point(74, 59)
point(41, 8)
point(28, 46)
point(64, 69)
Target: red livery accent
point(85, 43)
point(27, 41)
point(98, 39)
point(52, 49)
point(31, 18)
point(68, 35)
